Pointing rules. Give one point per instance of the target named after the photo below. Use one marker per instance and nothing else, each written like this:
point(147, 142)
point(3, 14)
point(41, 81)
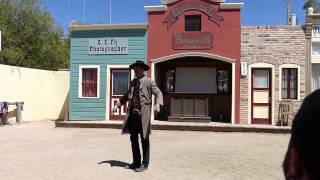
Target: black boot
point(142, 168)
point(132, 166)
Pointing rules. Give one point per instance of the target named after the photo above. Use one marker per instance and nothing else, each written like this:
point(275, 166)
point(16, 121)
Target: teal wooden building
point(99, 68)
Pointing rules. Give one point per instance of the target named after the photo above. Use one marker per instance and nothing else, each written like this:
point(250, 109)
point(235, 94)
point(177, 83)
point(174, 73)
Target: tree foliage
point(30, 37)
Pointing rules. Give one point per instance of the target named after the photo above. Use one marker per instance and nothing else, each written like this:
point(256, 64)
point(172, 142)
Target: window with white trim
point(316, 48)
point(89, 81)
point(120, 82)
point(315, 77)
point(289, 83)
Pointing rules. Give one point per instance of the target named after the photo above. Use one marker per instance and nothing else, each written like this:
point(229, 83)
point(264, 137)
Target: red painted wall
point(226, 38)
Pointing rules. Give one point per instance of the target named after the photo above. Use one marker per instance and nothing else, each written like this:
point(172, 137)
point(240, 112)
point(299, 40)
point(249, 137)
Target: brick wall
point(274, 45)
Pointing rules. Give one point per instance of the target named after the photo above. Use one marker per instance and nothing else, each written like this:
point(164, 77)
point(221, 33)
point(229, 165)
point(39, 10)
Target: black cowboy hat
point(140, 64)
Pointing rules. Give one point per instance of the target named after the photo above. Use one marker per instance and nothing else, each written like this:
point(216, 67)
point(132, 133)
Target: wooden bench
point(5, 114)
point(285, 113)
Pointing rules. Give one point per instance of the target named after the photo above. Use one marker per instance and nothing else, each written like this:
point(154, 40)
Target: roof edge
point(107, 27)
point(155, 8)
point(231, 5)
point(173, 1)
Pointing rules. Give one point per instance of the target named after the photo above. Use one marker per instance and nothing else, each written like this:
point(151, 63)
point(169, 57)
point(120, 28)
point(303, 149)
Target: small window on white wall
point(316, 48)
point(89, 80)
point(315, 77)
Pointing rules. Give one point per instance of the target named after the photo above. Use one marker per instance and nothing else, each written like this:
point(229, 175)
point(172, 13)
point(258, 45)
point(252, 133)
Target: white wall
point(43, 92)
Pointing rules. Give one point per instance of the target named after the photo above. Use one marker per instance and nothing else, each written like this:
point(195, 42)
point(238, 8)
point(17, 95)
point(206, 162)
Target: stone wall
point(274, 45)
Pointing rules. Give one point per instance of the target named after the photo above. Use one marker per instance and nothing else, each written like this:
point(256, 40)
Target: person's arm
point(122, 100)
point(158, 94)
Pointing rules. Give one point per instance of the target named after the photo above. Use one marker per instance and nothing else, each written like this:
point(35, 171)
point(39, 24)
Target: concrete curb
point(211, 127)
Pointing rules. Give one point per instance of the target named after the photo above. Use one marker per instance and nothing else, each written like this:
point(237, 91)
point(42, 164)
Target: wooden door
point(261, 96)
point(119, 85)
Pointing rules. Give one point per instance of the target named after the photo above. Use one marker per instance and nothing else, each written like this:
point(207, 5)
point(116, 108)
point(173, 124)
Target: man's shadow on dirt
point(115, 163)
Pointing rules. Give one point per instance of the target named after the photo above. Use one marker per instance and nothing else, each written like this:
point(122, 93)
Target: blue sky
point(254, 12)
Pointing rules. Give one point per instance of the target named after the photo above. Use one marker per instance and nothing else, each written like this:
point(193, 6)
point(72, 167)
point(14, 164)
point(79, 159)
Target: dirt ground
point(39, 151)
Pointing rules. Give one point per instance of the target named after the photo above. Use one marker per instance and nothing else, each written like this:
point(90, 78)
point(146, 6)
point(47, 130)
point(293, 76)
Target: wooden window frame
point(289, 95)
point(185, 23)
point(81, 67)
point(298, 83)
point(112, 80)
point(229, 83)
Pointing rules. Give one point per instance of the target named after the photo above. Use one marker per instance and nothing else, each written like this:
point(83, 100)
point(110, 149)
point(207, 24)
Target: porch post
point(153, 98)
point(233, 103)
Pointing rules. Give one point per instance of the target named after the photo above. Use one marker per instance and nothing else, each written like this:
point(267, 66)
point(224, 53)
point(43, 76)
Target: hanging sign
point(113, 45)
point(192, 40)
point(243, 68)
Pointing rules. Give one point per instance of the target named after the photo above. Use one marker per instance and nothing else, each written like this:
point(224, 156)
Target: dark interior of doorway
point(218, 105)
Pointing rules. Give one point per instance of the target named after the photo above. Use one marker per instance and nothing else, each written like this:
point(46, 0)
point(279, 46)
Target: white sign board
point(316, 31)
point(114, 45)
point(244, 68)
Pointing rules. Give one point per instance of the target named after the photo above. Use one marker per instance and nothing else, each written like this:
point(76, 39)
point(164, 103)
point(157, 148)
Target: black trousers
point(135, 129)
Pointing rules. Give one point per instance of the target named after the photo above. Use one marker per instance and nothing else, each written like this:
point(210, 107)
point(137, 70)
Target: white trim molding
point(231, 5)
point(155, 8)
point(109, 67)
point(233, 95)
point(193, 54)
point(280, 81)
point(200, 54)
point(153, 97)
point(106, 27)
point(315, 58)
point(80, 81)
point(173, 1)
point(261, 65)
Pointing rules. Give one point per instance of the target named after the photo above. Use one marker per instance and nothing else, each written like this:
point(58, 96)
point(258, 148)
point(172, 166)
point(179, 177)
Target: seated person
point(3, 113)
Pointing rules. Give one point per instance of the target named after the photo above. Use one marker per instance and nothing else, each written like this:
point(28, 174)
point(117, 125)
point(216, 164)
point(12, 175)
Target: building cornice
point(313, 15)
point(231, 5)
point(155, 8)
point(166, 2)
point(107, 27)
point(173, 1)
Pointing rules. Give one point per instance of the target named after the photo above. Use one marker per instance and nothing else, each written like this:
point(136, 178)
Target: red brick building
point(194, 51)
point(212, 69)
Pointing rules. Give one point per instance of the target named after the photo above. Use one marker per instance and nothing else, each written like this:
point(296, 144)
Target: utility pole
point(84, 11)
point(69, 11)
point(110, 12)
point(289, 12)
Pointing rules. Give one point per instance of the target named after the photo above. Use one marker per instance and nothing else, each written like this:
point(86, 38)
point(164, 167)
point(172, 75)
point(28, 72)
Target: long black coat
point(147, 88)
